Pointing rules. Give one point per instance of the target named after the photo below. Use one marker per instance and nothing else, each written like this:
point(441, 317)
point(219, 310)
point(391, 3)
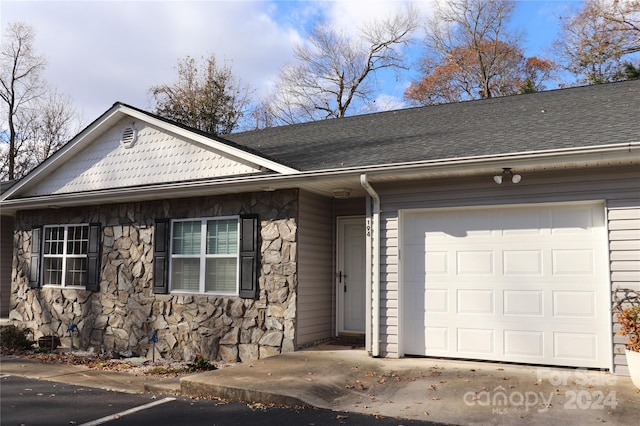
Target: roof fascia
point(529, 159)
point(583, 157)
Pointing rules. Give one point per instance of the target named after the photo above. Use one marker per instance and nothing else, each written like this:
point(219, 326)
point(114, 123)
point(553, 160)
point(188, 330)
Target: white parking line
point(126, 412)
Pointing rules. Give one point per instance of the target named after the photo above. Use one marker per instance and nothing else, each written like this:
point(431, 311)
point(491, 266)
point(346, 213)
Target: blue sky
point(100, 52)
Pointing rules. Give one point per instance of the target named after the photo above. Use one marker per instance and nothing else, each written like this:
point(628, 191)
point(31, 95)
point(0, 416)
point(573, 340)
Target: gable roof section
point(164, 151)
point(585, 116)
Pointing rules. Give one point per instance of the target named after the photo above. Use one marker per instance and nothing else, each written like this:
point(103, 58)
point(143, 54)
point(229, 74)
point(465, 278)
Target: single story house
point(493, 230)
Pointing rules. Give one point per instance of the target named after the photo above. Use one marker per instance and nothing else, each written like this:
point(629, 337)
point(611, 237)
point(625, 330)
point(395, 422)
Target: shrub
point(15, 338)
point(200, 363)
point(627, 309)
point(629, 320)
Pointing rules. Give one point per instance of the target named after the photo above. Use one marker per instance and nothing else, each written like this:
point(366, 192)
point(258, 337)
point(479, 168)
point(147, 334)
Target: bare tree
point(332, 71)
point(596, 39)
point(21, 79)
point(40, 131)
point(55, 123)
point(471, 54)
point(39, 119)
point(206, 96)
point(625, 17)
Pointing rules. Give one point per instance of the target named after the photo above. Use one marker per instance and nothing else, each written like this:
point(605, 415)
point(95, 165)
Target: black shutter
point(93, 258)
point(249, 255)
point(34, 264)
point(161, 257)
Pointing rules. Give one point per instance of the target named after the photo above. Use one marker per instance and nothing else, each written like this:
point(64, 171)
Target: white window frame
point(64, 256)
point(203, 256)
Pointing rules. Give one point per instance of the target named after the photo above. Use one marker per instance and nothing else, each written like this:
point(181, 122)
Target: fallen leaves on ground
point(159, 368)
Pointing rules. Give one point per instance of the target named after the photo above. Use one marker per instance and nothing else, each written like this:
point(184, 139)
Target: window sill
point(62, 287)
point(197, 293)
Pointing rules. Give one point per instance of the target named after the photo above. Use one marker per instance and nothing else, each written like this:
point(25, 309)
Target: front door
point(350, 276)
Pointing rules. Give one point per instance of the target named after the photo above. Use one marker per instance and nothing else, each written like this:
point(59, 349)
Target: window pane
point(76, 273)
point(185, 274)
point(186, 237)
point(54, 240)
point(222, 236)
point(220, 275)
point(77, 239)
point(65, 255)
point(52, 271)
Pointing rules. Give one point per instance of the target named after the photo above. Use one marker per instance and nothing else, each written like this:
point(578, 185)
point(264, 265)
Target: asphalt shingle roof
point(566, 118)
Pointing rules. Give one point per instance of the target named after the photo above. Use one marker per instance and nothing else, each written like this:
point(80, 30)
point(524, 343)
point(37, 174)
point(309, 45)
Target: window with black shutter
point(249, 256)
point(160, 256)
point(207, 256)
point(34, 263)
point(66, 256)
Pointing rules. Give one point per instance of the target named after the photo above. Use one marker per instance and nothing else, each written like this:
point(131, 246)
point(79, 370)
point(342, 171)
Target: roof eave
point(628, 153)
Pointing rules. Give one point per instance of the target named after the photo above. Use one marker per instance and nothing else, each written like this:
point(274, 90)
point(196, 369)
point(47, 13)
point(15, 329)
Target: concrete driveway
point(441, 391)
point(344, 379)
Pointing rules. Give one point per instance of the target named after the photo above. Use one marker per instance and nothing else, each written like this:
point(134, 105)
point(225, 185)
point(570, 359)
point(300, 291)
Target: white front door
point(350, 276)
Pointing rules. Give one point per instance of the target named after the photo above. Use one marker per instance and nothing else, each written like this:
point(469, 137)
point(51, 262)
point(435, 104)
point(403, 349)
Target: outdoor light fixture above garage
point(507, 173)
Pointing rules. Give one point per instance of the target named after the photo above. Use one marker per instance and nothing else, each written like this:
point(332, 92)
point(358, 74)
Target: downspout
point(373, 237)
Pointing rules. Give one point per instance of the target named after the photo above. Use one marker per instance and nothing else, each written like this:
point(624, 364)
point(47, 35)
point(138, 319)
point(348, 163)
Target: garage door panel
point(525, 343)
point(475, 341)
point(436, 263)
point(520, 284)
point(577, 304)
point(436, 300)
point(574, 347)
point(572, 220)
point(572, 261)
point(523, 303)
point(436, 340)
point(522, 262)
point(474, 262)
point(475, 302)
point(523, 223)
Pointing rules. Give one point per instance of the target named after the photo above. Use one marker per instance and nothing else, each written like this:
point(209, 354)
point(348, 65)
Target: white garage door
point(522, 284)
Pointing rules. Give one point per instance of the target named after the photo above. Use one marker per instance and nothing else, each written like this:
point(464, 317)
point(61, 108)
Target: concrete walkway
point(439, 391)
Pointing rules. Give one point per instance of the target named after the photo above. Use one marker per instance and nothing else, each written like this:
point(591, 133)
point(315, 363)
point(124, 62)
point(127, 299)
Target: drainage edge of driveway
point(233, 394)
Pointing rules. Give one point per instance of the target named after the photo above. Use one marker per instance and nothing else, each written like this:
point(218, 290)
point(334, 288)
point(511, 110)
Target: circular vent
point(128, 137)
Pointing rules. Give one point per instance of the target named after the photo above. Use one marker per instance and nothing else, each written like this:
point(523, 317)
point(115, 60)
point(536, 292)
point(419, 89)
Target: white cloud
point(388, 103)
point(102, 52)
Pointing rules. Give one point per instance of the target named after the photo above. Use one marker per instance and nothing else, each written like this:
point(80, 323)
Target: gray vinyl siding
point(350, 207)
point(315, 318)
point(6, 259)
point(617, 188)
point(389, 284)
point(624, 255)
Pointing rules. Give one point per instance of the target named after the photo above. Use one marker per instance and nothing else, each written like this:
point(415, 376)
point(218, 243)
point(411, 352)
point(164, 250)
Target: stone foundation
point(124, 313)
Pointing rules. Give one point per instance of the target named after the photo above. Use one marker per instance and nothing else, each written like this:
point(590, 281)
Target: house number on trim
point(368, 227)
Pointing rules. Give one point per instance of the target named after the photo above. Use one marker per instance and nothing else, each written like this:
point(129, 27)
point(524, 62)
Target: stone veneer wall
point(124, 313)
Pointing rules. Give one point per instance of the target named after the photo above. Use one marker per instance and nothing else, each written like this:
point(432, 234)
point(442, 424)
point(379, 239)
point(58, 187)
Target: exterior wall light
point(506, 174)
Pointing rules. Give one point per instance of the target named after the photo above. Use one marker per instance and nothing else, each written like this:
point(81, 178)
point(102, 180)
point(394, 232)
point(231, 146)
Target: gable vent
point(128, 137)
